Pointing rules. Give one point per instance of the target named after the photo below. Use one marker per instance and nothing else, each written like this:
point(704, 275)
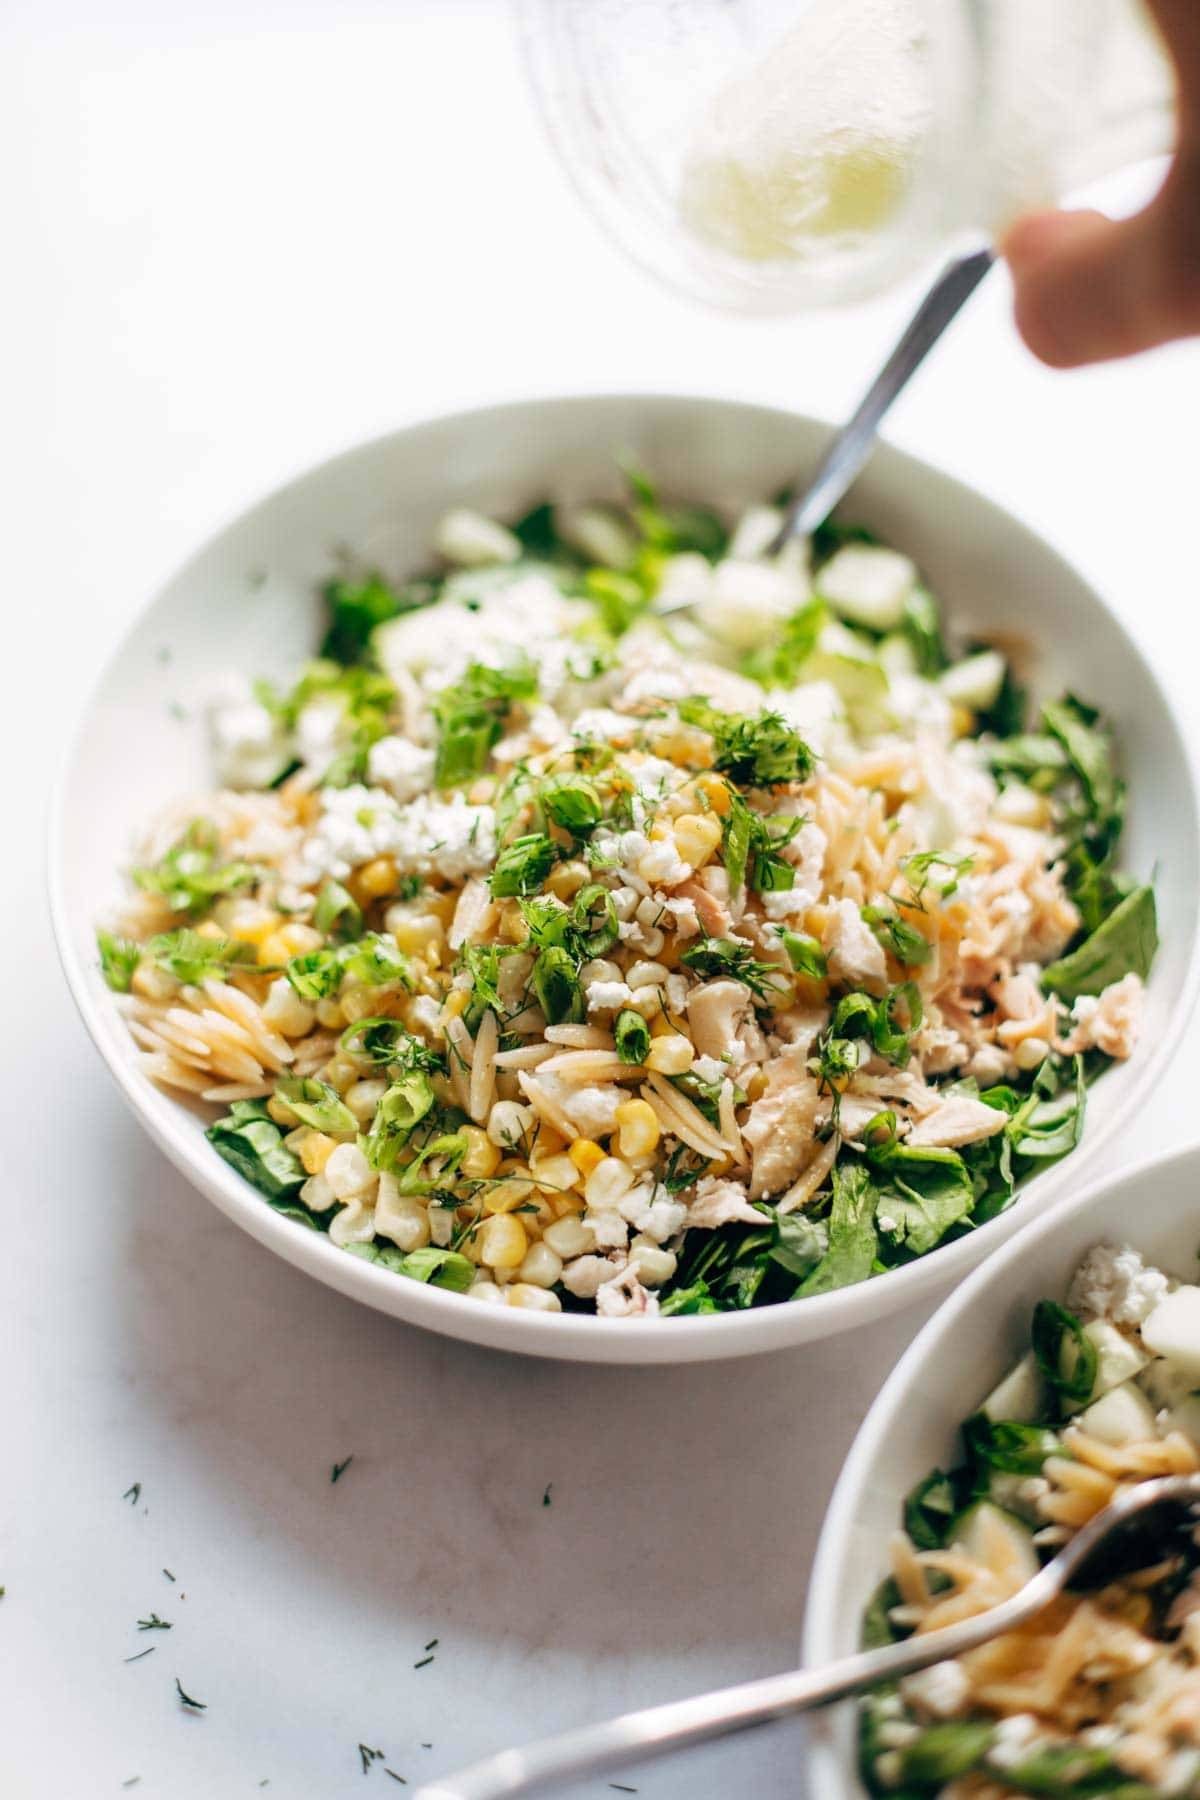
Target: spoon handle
point(852, 445)
point(656, 1730)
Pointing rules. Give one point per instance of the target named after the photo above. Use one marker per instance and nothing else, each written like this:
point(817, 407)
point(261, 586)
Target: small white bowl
point(248, 602)
point(947, 1370)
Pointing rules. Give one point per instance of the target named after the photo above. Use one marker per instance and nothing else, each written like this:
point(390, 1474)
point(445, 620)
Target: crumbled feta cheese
point(320, 729)
point(608, 996)
point(608, 1228)
point(249, 745)
point(515, 616)
point(662, 865)
point(405, 769)
point(592, 1110)
point(654, 777)
point(601, 723)
point(426, 837)
point(1012, 1740)
point(943, 1689)
point(708, 1068)
point(1113, 1282)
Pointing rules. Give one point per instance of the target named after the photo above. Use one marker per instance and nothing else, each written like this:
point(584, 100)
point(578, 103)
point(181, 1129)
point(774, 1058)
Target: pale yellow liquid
point(816, 149)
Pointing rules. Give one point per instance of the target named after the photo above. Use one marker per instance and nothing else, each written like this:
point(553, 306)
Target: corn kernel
point(359, 1002)
point(670, 1055)
point(315, 1151)
point(483, 1289)
point(330, 1014)
point(377, 878)
point(418, 933)
point(273, 951)
point(533, 1299)
point(697, 836)
point(541, 1266)
point(651, 1264)
point(456, 1003)
point(569, 1237)
point(555, 1173)
point(504, 1196)
point(340, 1072)
point(585, 1154)
point(249, 922)
point(962, 721)
point(565, 881)
point(608, 1182)
point(482, 1157)
point(756, 1085)
point(638, 1126)
point(349, 1173)
point(716, 792)
point(281, 1112)
point(151, 982)
point(364, 1097)
point(502, 1242)
point(209, 928)
point(548, 1142)
point(513, 929)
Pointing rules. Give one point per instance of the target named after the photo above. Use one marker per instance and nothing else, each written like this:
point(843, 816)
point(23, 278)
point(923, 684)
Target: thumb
point(1088, 289)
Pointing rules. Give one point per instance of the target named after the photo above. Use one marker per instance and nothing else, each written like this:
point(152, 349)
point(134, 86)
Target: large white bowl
point(952, 1363)
point(247, 601)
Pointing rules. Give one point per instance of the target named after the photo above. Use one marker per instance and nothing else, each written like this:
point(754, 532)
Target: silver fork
point(854, 442)
point(1087, 1560)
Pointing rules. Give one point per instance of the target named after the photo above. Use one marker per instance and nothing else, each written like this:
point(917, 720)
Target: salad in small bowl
point(1099, 1310)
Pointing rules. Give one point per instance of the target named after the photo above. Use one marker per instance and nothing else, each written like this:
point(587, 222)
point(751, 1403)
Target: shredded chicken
point(779, 1130)
point(1110, 1022)
point(720, 1202)
point(957, 1121)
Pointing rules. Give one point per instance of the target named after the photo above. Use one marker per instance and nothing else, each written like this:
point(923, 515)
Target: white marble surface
point(238, 237)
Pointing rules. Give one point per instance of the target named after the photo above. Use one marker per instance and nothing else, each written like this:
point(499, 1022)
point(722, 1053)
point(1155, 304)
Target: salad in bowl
point(618, 918)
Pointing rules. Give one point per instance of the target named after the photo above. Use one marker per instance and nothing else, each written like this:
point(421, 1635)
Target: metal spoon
point(1096, 1555)
point(855, 441)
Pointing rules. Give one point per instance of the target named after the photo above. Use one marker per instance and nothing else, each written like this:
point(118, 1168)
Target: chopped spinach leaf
point(1124, 944)
point(251, 1142)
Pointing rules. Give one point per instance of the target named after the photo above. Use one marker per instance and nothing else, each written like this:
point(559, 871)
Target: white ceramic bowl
point(248, 601)
point(947, 1370)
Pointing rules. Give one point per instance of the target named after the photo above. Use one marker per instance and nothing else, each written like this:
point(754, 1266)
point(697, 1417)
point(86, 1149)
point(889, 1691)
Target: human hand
point(1088, 289)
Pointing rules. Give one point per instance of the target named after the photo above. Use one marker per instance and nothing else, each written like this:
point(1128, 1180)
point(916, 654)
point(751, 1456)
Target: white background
point(239, 236)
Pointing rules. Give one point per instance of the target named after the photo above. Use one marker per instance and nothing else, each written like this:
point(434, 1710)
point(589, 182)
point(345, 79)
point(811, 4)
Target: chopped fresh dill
point(339, 1469)
point(546, 1501)
point(186, 1699)
point(402, 1779)
point(367, 1756)
point(433, 1643)
point(133, 1494)
point(154, 1623)
point(168, 1575)
point(424, 1662)
point(147, 1652)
